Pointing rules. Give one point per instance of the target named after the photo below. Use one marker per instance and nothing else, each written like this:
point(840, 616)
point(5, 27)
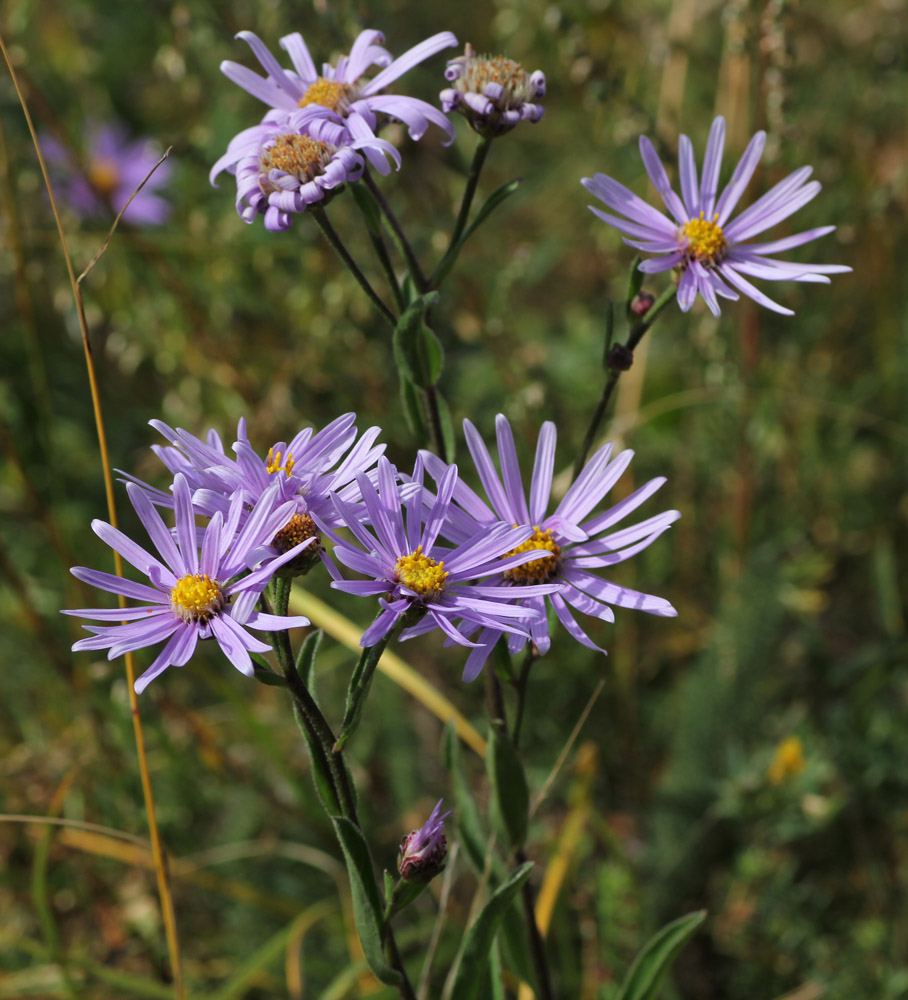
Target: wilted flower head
point(341, 88)
point(291, 162)
point(112, 169)
point(191, 595)
point(423, 851)
point(709, 251)
point(493, 93)
point(413, 574)
point(569, 542)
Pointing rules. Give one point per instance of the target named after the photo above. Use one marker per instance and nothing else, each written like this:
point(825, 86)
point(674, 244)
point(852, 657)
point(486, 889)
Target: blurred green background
point(783, 440)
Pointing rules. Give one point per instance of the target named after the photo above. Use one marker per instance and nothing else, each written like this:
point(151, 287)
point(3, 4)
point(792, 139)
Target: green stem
point(433, 421)
point(634, 337)
point(331, 235)
point(398, 234)
point(528, 660)
point(450, 257)
point(361, 681)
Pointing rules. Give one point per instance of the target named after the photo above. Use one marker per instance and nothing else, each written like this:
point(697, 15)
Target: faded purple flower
point(191, 595)
point(410, 571)
point(492, 92)
point(711, 252)
point(341, 88)
point(571, 541)
point(291, 162)
point(423, 851)
point(111, 170)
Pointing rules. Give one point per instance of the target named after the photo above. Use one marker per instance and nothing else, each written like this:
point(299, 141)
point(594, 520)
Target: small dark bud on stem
point(620, 358)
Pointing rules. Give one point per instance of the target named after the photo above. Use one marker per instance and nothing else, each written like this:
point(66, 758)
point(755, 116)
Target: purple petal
point(412, 57)
point(712, 162)
point(748, 289)
point(741, 177)
point(543, 470)
point(181, 645)
point(510, 469)
point(659, 177)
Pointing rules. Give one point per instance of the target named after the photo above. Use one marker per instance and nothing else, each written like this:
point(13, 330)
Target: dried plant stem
point(170, 929)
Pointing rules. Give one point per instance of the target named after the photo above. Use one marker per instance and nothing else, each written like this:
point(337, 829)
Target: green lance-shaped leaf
point(367, 908)
point(417, 351)
point(509, 788)
point(413, 410)
point(321, 770)
point(634, 282)
point(496, 198)
point(368, 206)
point(650, 967)
point(474, 952)
point(305, 660)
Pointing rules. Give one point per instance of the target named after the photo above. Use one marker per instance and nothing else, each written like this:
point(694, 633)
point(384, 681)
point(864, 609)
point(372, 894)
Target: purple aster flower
point(410, 571)
point(494, 93)
point(423, 851)
point(191, 595)
point(289, 162)
point(112, 169)
point(711, 252)
point(308, 471)
point(341, 88)
point(571, 541)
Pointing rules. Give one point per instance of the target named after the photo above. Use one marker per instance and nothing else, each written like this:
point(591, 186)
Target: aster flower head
point(701, 240)
point(112, 169)
point(570, 541)
point(493, 93)
point(341, 88)
point(413, 574)
point(291, 162)
point(306, 471)
point(190, 595)
point(423, 851)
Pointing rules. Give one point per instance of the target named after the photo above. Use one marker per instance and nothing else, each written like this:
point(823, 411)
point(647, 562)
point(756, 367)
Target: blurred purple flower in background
point(192, 595)
point(340, 88)
point(112, 168)
point(708, 250)
point(492, 92)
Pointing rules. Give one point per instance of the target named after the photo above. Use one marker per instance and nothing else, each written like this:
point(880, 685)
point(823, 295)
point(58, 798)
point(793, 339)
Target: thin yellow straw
point(173, 946)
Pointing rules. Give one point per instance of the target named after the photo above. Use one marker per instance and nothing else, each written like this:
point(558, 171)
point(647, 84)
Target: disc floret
point(197, 598)
point(421, 573)
point(539, 570)
point(332, 94)
point(705, 240)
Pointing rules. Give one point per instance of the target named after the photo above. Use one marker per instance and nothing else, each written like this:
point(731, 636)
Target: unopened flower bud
point(423, 851)
point(620, 358)
point(641, 303)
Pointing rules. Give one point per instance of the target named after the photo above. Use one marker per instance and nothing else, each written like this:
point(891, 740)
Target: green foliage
point(646, 976)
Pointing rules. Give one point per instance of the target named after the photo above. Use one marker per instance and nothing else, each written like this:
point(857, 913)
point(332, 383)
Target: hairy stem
point(398, 234)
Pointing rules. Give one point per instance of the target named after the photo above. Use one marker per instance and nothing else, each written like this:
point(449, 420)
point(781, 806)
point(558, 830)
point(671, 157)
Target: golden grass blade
point(391, 665)
point(170, 928)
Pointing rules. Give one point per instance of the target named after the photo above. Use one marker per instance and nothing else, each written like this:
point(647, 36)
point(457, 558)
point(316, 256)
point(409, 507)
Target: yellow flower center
point(705, 240)
point(296, 530)
point(297, 155)
point(421, 574)
point(275, 465)
point(539, 570)
point(196, 598)
point(787, 761)
point(336, 96)
point(104, 176)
